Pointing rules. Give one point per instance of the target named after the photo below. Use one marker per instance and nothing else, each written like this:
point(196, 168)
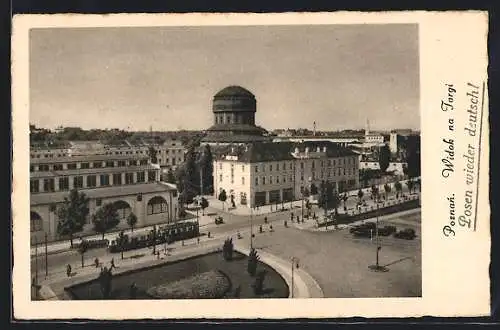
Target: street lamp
point(251, 228)
point(295, 264)
point(377, 266)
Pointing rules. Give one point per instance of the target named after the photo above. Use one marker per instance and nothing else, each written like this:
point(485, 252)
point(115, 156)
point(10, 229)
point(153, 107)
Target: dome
point(234, 91)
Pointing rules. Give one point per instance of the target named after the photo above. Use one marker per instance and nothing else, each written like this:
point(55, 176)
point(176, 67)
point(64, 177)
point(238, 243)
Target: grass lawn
point(200, 276)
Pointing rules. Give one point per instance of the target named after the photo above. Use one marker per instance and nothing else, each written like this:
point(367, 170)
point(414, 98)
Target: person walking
point(96, 262)
point(68, 270)
point(112, 264)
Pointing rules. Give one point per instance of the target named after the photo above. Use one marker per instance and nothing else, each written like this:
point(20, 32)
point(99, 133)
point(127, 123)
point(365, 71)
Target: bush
point(253, 259)
point(208, 285)
point(258, 285)
point(227, 249)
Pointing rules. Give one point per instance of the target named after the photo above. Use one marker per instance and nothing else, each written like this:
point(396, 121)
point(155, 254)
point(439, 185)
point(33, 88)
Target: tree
point(314, 189)
point(375, 192)
point(222, 197)
point(326, 195)
point(206, 167)
point(203, 204)
point(413, 161)
point(398, 188)
point(258, 285)
point(105, 218)
point(253, 259)
point(227, 249)
point(360, 195)
point(132, 220)
point(82, 249)
point(105, 282)
point(384, 158)
point(306, 193)
point(387, 189)
point(410, 184)
point(170, 176)
point(122, 241)
point(72, 214)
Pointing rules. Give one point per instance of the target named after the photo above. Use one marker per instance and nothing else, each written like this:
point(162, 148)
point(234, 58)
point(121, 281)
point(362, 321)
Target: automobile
point(365, 226)
point(219, 220)
point(407, 233)
point(387, 230)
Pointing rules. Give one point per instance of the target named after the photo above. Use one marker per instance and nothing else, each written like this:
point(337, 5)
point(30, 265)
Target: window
point(98, 202)
point(104, 179)
point(243, 180)
point(256, 181)
point(64, 183)
point(284, 179)
point(129, 178)
point(151, 176)
point(243, 168)
point(117, 179)
point(157, 205)
point(256, 169)
point(91, 181)
point(291, 166)
point(220, 178)
point(334, 162)
point(72, 166)
point(220, 166)
point(270, 179)
point(144, 162)
point(36, 223)
point(270, 167)
point(84, 165)
point(277, 179)
point(32, 168)
point(97, 165)
point(141, 177)
point(301, 165)
point(263, 180)
point(122, 163)
point(312, 164)
point(290, 179)
point(110, 163)
point(43, 167)
point(78, 182)
point(34, 186)
point(58, 167)
point(48, 184)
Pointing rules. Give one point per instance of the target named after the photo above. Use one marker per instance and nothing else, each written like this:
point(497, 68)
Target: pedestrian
point(68, 270)
point(265, 219)
point(198, 240)
point(298, 219)
point(96, 262)
point(286, 223)
point(271, 228)
point(208, 234)
point(291, 217)
point(260, 229)
point(133, 291)
point(112, 264)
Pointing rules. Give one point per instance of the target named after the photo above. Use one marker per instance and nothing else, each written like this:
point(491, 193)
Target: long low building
point(266, 173)
point(130, 182)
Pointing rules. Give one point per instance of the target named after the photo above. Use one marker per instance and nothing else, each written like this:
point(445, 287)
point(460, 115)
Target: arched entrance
point(157, 205)
point(122, 209)
point(36, 222)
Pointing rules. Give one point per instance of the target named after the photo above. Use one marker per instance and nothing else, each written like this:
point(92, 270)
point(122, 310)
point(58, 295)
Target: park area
point(207, 276)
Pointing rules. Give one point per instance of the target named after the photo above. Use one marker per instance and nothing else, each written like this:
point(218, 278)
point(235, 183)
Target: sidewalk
point(304, 286)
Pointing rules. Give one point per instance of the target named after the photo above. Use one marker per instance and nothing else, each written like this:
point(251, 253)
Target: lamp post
point(377, 266)
point(46, 258)
point(295, 263)
point(251, 228)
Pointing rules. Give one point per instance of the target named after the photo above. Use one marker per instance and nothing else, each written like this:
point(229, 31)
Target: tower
point(314, 128)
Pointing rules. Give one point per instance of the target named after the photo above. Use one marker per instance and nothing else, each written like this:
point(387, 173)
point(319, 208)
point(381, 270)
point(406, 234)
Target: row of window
point(276, 168)
point(87, 165)
point(48, 185)
point(331, 173)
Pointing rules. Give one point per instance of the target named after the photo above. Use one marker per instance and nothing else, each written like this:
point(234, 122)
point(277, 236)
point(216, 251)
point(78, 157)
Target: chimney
point(324, 149)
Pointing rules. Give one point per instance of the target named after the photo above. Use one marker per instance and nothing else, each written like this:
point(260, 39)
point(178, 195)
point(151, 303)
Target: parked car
point(387, 230)
point(365, 226)
point(407, 233)
point(219, 220)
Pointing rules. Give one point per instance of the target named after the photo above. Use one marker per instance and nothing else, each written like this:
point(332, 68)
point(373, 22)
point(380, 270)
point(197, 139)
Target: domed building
point(234, 109)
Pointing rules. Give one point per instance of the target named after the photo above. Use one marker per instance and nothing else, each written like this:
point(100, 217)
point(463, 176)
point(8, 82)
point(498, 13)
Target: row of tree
point(73, 213)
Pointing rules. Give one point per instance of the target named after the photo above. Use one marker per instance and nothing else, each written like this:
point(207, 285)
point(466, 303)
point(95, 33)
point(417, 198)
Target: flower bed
point(208, 285)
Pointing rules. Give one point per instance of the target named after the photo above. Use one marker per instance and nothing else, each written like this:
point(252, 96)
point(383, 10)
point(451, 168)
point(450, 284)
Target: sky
point(135, 77)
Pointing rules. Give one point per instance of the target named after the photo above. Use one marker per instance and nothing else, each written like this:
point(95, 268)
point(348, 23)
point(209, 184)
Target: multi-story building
point(170, 154)
point(266, 173)
point(130, 182)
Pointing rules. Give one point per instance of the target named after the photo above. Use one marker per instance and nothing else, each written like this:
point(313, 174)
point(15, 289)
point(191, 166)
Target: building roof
point(279, 151)
point(86, 171)
point(104, 192)
point(86, 158)
point(234, 91)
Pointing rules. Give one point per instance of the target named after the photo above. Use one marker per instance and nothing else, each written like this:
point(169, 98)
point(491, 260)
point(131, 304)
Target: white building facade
point(130, 182)
point(269, 173)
